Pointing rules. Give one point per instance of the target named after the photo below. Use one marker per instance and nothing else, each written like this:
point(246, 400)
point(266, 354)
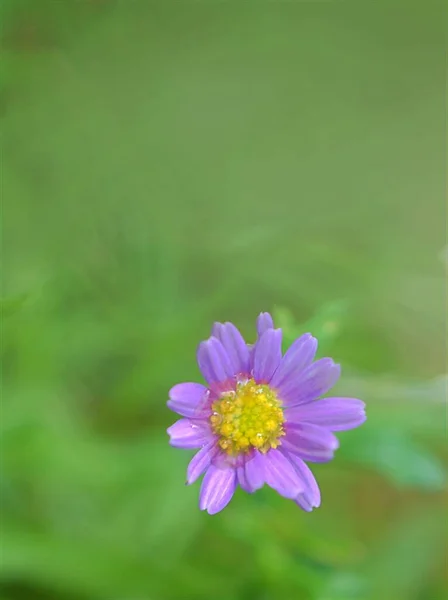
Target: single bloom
point(260, 415)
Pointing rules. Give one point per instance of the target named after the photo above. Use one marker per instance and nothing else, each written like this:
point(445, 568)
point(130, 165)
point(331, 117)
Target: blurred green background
point(168, 164)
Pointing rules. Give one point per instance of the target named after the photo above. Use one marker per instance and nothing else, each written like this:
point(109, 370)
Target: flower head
point(260, 416)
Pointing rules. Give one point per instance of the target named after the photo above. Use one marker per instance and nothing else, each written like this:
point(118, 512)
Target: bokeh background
point(168, 164)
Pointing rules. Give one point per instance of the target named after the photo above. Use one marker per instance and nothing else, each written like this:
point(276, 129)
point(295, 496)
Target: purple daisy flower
point(260, 417)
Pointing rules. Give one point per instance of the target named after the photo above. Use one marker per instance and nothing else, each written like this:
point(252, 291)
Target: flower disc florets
point(249, 417)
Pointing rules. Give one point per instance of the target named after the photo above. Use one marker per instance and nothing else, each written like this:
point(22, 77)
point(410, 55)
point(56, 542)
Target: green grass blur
point(168, 164)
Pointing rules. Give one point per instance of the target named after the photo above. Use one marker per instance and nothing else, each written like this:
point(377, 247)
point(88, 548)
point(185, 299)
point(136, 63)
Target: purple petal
point(251, 473)
point(310, 497)
point(310, 442)
point(267, 355)
point(217, 489)
point(187, 433)
point(200, 462)
point(299, 356)
point(281, 475)
point(242, 479)
point(304, 503)
point(214, 361)
point(336, 414)
point(311, 383)
point(235, 346)
point(188, 399)
point(264, 322)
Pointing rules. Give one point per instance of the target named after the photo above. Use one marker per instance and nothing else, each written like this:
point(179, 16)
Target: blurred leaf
point(329, 321)
point(394, 455)
point(344, 586)
point(406, 555)
point(282, 571)
point(47, 559)
point(410, 406)
point(443, 256)
point(326, 325)
point(7, 7)
point(9, 306)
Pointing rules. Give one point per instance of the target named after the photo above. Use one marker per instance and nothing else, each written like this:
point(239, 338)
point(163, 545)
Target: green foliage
point(396, 456)
point(167, 167)
point(327, 325)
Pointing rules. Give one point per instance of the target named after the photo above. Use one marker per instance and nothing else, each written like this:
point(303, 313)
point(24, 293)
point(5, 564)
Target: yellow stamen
point(250, 417)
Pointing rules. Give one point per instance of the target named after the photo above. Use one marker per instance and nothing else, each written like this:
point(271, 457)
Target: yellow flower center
point(249, 417)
